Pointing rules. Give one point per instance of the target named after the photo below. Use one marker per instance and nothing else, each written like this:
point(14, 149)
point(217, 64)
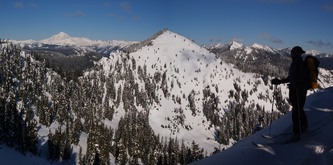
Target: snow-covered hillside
point(316, 147)
point(193, 79)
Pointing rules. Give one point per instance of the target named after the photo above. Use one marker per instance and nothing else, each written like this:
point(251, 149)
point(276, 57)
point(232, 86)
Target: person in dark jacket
point(298, 87)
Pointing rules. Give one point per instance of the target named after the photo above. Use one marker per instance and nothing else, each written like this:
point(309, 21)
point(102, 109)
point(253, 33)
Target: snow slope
point(189, 68)
point(314, 148)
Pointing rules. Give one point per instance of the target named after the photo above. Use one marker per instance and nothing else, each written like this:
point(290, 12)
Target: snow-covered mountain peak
point(258, 46)
point(235, 45)
point(218, 45)
point(61, 35)
point(228, 46)
point(181, 70)
point(168, 37)
point(65, 39)
point(313, 52)
point(169, 47)
point(165, 35)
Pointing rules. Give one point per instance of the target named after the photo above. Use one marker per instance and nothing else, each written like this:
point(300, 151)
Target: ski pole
point(270, 126)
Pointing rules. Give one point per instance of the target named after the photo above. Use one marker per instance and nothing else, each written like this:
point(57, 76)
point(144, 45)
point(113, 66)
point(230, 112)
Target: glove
point(276, 81)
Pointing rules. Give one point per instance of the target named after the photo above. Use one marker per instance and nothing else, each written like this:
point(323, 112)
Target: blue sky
point(276, 23)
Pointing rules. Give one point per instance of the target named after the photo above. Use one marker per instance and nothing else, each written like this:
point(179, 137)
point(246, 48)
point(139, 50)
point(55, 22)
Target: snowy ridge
point(235, 45)
point(248, 50)
point(189, 68)
point(185, 62)
point(267, 48)
point(316, 149)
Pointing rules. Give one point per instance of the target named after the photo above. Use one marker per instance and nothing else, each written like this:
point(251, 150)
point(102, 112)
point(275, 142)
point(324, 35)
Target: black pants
point(297, 99)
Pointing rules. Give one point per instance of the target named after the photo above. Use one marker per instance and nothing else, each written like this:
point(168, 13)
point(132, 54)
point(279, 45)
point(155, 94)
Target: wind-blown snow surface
point(314, 148)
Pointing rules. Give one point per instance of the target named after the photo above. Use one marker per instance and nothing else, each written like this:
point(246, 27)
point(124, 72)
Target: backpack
point(312, 64)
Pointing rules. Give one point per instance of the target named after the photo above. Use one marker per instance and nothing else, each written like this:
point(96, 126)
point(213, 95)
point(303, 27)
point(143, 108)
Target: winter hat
point(297, 50)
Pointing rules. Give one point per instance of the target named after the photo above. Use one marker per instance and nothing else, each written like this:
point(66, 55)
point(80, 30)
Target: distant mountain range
point(63, 39)
point(65, 53)
point(77, 54)
point(259, 55)
point(68, 45)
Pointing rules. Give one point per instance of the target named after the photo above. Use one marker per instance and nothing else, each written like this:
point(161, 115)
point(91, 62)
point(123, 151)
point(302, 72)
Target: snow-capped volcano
point(65, 39)
point(79, 45)
point(61, 35)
